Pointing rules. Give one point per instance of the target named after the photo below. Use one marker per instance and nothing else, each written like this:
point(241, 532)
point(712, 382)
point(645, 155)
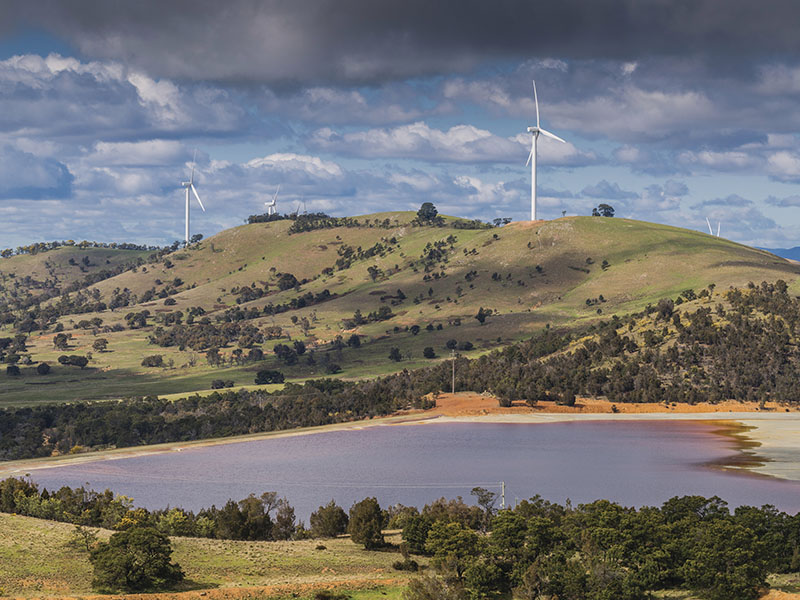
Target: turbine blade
point(719, 224)
point(551, 135)
point(194, 191)
point(536, 100)
point(275, 196)
point(710, 232)
point(530, 156)
point(194, 160)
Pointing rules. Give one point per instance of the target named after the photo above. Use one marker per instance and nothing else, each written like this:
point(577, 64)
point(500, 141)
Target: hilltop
point(342, 296)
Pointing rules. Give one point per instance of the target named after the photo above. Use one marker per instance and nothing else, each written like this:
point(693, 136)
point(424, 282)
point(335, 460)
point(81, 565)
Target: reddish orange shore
point(470, 404)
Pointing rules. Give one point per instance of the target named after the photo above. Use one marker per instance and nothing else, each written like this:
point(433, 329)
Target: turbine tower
point(271, 210)
point(535, 131)
point(189, 185)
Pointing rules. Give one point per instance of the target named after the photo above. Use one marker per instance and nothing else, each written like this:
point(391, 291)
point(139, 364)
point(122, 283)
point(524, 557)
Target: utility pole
point(502, 495)
point(453, 356)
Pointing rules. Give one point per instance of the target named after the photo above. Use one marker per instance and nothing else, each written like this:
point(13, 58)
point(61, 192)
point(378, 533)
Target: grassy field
point(529, 274)
point(37, 560)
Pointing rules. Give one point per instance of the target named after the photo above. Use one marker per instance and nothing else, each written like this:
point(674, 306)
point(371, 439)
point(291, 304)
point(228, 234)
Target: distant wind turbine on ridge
point(535, 131)
point(189, 185)
point(271, 210)
point(711, 231)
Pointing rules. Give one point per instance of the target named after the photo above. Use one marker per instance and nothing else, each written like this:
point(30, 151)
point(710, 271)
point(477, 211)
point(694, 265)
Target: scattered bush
point(407, 564)
point(156, 360)
point(365, 525)
point(328, 521)
point(268, 376)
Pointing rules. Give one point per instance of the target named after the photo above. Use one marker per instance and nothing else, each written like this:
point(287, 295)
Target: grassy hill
point(38, 561)
point(31, 275)
point(569, 271)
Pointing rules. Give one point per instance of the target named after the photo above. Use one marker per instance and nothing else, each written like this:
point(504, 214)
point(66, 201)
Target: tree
point(42, 368)
point(328, 521)
point(156, 360)
point(394, 354)
point(427, 212)
point(354, 341)
point(727, 561)
point(453, 546)
point(486, 500)
point(100, 344)
point(61, 341)
point(134, 560)
point(12, 371)
point(604, 210)
point(428, 352)
point(287, 281)
point(482, 314)
point(365, 525)
point(285, 525)
point(267, 376)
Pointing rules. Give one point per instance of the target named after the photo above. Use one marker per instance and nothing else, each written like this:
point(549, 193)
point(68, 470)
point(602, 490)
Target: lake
point(631, 462)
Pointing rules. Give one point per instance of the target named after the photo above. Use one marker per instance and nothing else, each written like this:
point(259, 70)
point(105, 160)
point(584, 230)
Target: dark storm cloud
point(278, 41)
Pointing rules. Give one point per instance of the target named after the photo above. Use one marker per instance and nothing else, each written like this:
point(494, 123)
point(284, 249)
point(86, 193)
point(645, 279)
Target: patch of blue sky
point(33, 41)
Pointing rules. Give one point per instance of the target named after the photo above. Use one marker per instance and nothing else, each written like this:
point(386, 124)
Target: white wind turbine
point(711, 231)
point(535, 131)
point(271, 210)
point(189, 185)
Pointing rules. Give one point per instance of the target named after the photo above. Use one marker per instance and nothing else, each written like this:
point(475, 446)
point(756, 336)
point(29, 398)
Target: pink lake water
point(635, 463)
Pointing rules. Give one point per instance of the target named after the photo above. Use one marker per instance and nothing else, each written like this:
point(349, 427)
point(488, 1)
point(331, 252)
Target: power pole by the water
point(502, 495)
point(453, 356)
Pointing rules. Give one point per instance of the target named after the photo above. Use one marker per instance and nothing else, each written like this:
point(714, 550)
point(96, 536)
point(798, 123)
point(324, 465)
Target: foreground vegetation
point(40, 558)
point(537, 550)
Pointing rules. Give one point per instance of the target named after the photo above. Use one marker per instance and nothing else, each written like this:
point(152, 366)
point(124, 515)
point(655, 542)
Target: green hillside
point(525, 275)
point(30, 275)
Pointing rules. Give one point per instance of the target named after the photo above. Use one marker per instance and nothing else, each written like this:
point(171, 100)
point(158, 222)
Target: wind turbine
point(711, 231)
point(189, 185)
point(271, 210)
point(535, 131)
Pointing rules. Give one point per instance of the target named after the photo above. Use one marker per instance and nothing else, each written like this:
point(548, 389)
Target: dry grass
point(645, 262)
point(36, 561)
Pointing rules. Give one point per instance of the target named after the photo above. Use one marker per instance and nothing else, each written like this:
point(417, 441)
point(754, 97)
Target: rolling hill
point(376, 281)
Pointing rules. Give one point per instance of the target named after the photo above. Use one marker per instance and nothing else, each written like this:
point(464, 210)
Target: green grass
point(36, 560)
point(646, 262)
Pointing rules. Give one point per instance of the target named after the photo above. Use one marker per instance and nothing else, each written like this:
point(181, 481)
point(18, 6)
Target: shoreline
point(764, 442)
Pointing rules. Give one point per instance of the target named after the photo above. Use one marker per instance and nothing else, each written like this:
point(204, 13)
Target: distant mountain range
point(790, 253)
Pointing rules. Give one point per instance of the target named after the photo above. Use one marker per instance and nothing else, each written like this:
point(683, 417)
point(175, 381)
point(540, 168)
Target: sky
point(674, 111)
